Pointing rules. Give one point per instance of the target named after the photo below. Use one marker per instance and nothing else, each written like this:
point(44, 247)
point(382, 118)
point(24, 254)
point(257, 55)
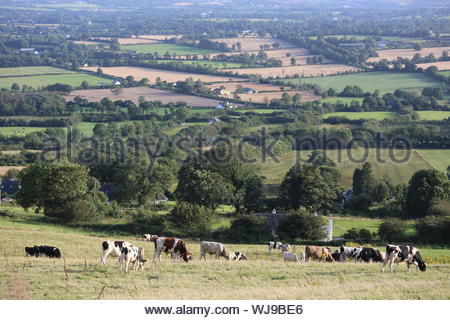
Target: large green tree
point(426, 188)
point(363, 180)
point(305, 186)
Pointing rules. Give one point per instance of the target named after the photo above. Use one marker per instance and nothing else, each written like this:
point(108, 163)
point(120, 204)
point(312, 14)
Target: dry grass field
point(231, 86)
point(254, 44)
point(313, 70)
point(165, 75)
point(407, 53)
point(149, 94)
point(263, 97)
point(4, 169)
point(441, 65)
point(263, 276)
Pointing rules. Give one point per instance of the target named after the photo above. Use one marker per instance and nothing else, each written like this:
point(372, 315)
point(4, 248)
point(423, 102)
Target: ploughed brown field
point(165, 75)
point(149, 94)
point(441, 65)
point(407, 53)
point(254, 43)
point(312, 70)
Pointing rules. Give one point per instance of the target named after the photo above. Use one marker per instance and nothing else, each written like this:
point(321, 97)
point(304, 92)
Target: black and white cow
point(349, 252)
point(39, 251)
point(403, 253)
point(236, 256)
point(131, 254)
point(112, 249)
point(274, 245)
point(370, 254)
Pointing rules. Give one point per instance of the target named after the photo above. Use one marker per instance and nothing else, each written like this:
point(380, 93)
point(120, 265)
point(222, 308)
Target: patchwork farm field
point(162, 48)
point(204, 63)
point(362, 115)
point(395, 173)
point(440, 159)
point(255, 43)
point(262, 276)
point(73, 79)
point(371, 81)
point(440, 65)
point(311, 70)
point(407, 53)
point(165, 75)
point(27, 71)
point(150, 94)
point(19, 131)
point(347, 100)
point(433, 115)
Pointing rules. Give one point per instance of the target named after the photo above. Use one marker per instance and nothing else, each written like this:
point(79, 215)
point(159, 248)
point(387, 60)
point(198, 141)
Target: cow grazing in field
point(274, 245)
point(174, 246)
point(404, 253)
point(131, 254)
point(336, 255)
point(39, 251)
point(112, 249)
point(216, 248)
point(236, 256)
point(370, 254)
point(285, 247)
point(318, 253)
point(350, 252)
point(290, 257)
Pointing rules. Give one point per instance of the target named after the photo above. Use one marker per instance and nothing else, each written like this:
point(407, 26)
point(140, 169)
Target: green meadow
point(73, 79)
point(371, 81)
point(376, 115)
point(161, 49)
point(345, 100)
point(433, 115)
point(19, 131)
point(26, 71)
point(204, 63)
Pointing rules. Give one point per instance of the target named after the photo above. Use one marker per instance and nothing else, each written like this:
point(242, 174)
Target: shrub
point(301, 225)
point(81, 210)
point(191, 216)
point(351, 234)
point(442, 208)
point(434, 229)
point(360, 202)
point(392, 230)
point(249, 229)
point(355, 234)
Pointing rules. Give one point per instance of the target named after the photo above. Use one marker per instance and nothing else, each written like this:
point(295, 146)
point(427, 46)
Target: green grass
point(25, 71)
point(346, 100)
point(395, 173)
point(88, 127)
point(342, 224)
point(362, 115)
point(445, 73)
point(161, 49)
point(19, 131)
point(73, 79)
point(262, 276)
point(433, 115)
point(440, 159)
point(204, 63)
point(371, 81)
point(262, 111)
point(175, 130)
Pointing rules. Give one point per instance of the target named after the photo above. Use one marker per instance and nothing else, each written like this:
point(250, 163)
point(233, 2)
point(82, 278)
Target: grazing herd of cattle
point(130, 254)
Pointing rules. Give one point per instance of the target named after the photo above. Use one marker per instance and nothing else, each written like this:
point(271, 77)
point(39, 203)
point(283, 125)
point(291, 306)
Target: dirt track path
point(18, 287)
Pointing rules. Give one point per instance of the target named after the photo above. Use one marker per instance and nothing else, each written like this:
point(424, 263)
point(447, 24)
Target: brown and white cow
point(216, 248)
point(318, 253)
point(174, 246)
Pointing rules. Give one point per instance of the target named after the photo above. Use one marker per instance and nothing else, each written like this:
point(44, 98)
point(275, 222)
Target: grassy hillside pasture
point(371, 81)
point(262, 276)
point(19, 131)
point(390, 171)
point(26, 71)
point(204, 63)
point(161, 49)
point(362, 115)
point(342, 224)
point(347, 100)
point(73, 79)
point(440, 159)
point(445, 73)
point(433, 115)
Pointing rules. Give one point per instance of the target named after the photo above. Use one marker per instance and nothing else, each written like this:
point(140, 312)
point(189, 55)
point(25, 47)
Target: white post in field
point(330, 230)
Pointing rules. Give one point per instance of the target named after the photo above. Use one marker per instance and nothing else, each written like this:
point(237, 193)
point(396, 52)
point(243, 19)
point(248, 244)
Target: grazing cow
point(236, 256)
point(290, 256)
point(336, 255)
point(174, 246)
point(370, 254)
point(215, 248)
point(131, 254)
point(285, 247)
point(274, 245)
point(320, 253)
point(112, 249)
point(403, 253)
point(349, 252)
point(39, 251)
